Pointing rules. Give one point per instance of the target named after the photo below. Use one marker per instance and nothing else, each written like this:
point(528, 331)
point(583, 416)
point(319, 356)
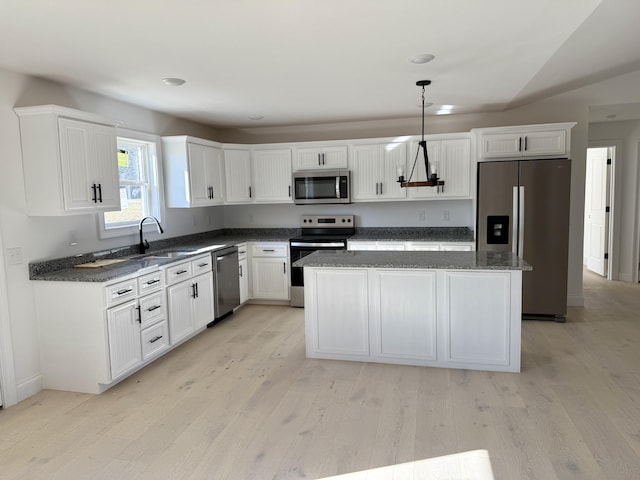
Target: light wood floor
point(241, 401)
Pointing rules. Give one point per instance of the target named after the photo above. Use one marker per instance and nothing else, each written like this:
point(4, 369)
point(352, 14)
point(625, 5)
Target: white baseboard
point(625, 277)
point(29, 387)
point(575, 301)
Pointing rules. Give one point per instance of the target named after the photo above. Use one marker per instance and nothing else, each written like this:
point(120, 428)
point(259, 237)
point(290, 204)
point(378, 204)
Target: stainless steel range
point(319, 232)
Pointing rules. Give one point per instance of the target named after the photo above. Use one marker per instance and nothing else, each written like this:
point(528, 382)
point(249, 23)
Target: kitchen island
point(439, 309)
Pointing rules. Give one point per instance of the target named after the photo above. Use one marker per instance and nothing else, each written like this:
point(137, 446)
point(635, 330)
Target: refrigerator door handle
point(521, 223)
point(514, 222)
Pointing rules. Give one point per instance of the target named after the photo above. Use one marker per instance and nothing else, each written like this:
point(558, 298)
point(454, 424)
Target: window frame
point(153, 168)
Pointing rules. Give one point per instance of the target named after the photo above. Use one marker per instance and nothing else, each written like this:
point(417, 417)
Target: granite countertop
point(406, 259)
point(64, 270)
point(425, 234)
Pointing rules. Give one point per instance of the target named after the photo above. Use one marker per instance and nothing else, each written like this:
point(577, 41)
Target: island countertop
point(414, 259)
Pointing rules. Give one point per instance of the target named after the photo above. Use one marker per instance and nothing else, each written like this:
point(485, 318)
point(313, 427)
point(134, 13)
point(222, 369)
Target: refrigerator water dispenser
point(497, 229)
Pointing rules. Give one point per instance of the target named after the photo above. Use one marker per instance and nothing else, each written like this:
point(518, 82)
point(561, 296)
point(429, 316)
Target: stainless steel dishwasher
point(226, 282)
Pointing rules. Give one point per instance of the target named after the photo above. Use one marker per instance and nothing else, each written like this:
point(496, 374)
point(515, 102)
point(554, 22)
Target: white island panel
point(479, 317)
point(404, 313)
point(340, 322)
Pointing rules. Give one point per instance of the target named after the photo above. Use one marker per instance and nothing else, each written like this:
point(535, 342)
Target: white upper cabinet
point(451, 159)
point(237, 172)
point(374, 171)
point(319, 158)
point(550, 140)
point(70, 161)
point(271, 175)
point(193, 172)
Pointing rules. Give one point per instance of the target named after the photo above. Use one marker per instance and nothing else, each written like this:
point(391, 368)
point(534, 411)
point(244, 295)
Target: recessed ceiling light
point(422, 58)
point(611, 117)
point(256, 117)
point(173, 82)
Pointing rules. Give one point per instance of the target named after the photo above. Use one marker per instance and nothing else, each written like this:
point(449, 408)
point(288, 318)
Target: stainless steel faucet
point(144, 245)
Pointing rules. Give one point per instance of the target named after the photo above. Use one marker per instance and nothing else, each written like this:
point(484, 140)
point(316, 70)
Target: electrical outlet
point(422, 215)
point(446, 215)
point(14, 256)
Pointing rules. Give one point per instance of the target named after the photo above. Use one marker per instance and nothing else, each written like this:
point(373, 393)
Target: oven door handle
point(318, 244)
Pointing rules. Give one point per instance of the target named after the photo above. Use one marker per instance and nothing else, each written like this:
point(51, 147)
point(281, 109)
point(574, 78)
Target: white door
point(596, 195)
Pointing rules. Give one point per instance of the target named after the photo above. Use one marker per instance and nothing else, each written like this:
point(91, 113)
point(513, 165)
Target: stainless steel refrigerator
point(523, 207)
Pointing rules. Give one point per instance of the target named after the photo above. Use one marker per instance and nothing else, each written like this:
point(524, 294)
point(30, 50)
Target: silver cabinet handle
point(125, 290)
point(319, 160)
point(525, 143)
point(154, 340)
point(155, 307)
point(380, 188)
point(200, 265)
point(284, 267)
point(181, 272)
point(151, 282)
point(249, 192)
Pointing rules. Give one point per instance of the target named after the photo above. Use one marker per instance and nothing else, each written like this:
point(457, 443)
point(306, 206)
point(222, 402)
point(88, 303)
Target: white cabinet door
point(374, 171)
point(365, 167)
point(527, 141)
point(394, 159)
point(338, 328)
point(180, 298)
point(205, 175)
point(203, 302)
point(270, 278)
point(271, 171)
point(237, 171)
point(243, 266)
point(320, 158)
point(125, 349)
point(404, 314)
point(455, 168)
point(486, 339)
point(89, 166)
point(497, 145)
point(553, 142)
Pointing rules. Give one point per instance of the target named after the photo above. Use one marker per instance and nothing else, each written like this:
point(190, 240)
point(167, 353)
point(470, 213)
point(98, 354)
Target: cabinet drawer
point(242, 251)
point(152, 308)
point(177, 273)
point(201, 265)
point(269, 250)
point(121, 292)
point(150, 282)
point(154, 339)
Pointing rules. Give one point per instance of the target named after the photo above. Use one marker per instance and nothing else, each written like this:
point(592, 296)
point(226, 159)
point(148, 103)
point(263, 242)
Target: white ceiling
point(317, 61)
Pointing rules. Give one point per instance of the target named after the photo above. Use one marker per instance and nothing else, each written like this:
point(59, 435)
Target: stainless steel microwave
point(321, 186)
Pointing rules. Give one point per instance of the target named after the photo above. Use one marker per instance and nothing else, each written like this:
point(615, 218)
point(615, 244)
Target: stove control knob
point(343, 220)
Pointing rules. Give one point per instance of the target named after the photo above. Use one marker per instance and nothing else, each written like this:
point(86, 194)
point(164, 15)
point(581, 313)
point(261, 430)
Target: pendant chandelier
point(432, 177)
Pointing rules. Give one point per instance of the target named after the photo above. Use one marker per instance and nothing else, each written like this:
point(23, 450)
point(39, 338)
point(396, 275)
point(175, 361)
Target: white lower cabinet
point(270, 270)
point(190, 298)
point(125, 349)
point(118, 327)
point(441, 318)
point(243, 272)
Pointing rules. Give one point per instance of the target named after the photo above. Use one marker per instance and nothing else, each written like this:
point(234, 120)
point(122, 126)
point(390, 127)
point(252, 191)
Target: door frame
point(8, 387)
point(613, 235)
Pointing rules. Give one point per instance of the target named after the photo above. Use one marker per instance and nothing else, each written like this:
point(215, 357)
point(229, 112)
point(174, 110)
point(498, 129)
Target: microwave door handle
point(337, 186)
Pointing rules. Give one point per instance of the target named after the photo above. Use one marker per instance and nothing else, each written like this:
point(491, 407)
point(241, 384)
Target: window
point(139, 185)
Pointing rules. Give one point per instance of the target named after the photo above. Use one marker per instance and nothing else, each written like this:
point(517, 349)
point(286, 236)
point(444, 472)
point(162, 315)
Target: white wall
point(626, 134)
point(388, 214)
